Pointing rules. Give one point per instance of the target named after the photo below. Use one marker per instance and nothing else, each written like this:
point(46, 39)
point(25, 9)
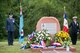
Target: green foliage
point(33, 10)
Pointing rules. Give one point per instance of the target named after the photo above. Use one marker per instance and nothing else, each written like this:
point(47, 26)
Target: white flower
point(36, 39)
point(40, 38)
point(39, 32)
point(28, 42)
point(42, 35)
point(43, 32)
point(47, 34)
point(49, 38)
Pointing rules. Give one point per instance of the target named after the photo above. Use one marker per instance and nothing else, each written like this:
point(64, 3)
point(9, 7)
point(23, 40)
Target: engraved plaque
point(51, 27)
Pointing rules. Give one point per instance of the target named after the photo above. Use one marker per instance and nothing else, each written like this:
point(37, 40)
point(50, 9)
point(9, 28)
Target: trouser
point(74, 38)
point(10, 37)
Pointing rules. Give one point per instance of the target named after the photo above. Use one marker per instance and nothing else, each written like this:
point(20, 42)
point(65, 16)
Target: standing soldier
point(10, 28)
point(74, 29)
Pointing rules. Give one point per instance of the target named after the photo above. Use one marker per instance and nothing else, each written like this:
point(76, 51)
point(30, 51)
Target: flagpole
point(20, 7)
point(64, 9)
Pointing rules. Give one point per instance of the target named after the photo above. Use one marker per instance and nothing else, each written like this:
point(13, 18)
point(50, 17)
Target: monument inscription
point(51, 27)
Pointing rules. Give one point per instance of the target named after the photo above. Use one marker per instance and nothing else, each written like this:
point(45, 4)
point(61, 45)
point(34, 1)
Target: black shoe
point(74, 44)
point(10, 44)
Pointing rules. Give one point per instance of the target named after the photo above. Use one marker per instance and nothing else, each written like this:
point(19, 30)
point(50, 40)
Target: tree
point(33, 10)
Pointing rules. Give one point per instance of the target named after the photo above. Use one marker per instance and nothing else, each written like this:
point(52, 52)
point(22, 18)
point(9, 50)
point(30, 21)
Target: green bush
point(33, 10)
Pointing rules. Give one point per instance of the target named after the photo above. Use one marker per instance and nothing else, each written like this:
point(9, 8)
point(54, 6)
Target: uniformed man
point(10, 28)
point(74, 29)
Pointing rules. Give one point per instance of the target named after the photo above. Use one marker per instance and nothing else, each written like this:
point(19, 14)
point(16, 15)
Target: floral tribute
point(39, 39)
point(42, 39)
point(63, 38)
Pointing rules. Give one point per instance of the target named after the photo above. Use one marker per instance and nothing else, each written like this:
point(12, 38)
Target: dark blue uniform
point(73, 32)
point(10, 29)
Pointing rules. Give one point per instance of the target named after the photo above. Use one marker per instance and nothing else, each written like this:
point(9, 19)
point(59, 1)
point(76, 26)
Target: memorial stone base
point(54, 50)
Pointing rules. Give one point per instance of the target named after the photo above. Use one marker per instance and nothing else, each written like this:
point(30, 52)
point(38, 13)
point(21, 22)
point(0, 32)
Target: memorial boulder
point(48, 23)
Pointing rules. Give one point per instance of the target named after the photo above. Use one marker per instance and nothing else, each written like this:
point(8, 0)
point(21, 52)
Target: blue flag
point(21, 24)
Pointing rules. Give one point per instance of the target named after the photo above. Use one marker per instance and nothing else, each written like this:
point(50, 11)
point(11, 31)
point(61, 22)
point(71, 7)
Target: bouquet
point(41, 38)
point(63, 38)
point(42, 35)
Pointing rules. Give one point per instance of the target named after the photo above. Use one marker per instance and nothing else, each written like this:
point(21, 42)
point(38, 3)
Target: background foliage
point(33, 10)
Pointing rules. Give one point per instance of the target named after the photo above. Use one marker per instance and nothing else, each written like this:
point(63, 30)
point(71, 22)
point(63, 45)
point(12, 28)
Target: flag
point(42, 43)
point(21, 32)
point(65, 24)
point(36, 46)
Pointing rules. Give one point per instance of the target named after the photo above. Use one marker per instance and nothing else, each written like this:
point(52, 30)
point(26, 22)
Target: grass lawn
point(4, 48)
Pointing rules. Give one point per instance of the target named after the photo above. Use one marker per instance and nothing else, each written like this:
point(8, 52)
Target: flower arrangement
point(38, 39)
point(41, 39)
point(42, 35)
point(63, 38)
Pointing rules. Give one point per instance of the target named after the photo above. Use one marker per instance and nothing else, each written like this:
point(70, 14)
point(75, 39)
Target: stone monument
point(48, 23)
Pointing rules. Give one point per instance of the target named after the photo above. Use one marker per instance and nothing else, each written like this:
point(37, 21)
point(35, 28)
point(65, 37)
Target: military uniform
point(10, 29)
point(74, 29)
